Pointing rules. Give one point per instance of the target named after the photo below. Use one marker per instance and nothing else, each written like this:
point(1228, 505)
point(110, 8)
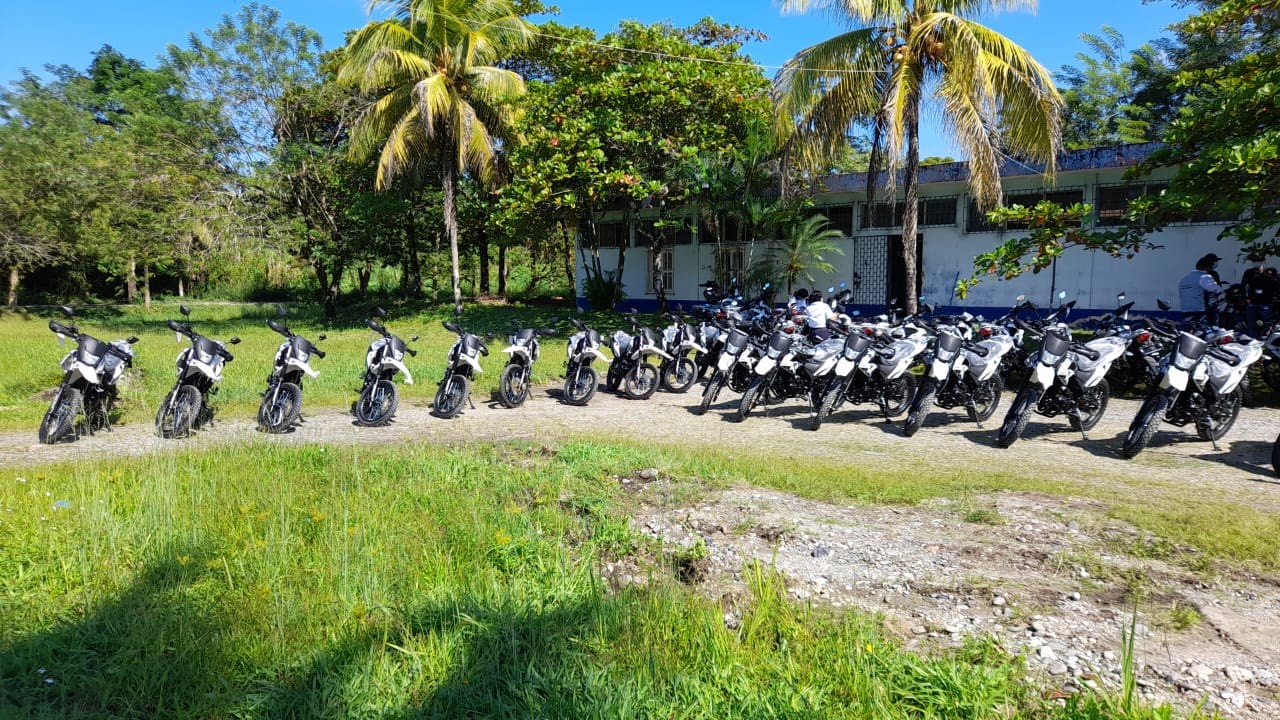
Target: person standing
point(1259, 293)
point(798, 302)
point(1197, 287)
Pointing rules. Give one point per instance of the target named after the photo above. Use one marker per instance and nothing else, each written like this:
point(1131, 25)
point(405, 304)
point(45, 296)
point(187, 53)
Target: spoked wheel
point(986, 396)
point(921, 404)
point(897, 395)
point(177, 416)
point(641, 382)
point(739, 378)
point(1015, 421)
point(280, 408)
point(1092, 406)
point(451, 395)
point(377, 403)
point(828, 402)
point(679, 376)
point(513, 387)
point(1144, 425)
point(1223, 413)
point(1269, 370)
point(580, 386)
point(60, 421)
point(751, 397)
point(710, 392)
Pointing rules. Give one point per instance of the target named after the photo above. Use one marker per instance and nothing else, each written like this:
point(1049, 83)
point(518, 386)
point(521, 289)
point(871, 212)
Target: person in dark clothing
point(1259, 293)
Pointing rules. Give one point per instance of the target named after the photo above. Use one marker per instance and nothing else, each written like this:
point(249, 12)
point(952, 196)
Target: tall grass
point(262, 581)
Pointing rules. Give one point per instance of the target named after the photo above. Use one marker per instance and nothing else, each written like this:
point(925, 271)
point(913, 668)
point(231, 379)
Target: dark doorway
point(898, 269)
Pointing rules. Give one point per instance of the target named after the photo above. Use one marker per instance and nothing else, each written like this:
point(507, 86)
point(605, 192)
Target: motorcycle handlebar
point(318, 352)
point(412, 352)
point(1085, 350)
point(61, 329)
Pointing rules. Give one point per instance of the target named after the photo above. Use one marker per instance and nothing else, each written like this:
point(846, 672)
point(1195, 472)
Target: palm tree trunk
point(449, 176)
point(910, 219)
point(15, 277)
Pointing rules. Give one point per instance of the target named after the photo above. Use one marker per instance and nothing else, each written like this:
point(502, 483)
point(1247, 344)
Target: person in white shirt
point(1197, 285)
point(819, 314)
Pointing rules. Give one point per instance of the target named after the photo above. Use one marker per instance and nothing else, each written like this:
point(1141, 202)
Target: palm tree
point(436, 97)
point(991, 94)
point(810, 241)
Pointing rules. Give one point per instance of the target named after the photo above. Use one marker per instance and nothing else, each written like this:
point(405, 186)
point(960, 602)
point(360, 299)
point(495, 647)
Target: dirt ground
point(1049, 576)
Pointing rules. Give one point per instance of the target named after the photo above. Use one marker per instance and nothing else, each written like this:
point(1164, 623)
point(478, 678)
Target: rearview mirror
point(184, 310)
point(413, 339)
point(1120, 297)
point(131, 339)
point(280, 310)
point(768, 285)
point(380, 312)
point(1162, 305)
point(234, 341)
point(1062, 294)
point(323, 337)
point(1020, 299)
point(67, 310)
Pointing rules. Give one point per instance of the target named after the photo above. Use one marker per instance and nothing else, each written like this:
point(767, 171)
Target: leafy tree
point(992, 95)
point(805, 251)
point(437, 96)
point(612, 125)
point(1099, 94)
point(247, 65)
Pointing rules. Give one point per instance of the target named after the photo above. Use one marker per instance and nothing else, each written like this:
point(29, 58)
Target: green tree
point(992, 95)
point(1099, 94)
point(438, 98)
point(805, 251)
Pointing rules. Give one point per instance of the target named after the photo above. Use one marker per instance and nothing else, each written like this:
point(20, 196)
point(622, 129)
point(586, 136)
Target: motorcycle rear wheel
point(679, 375)
point(280, 408)
point(641, 382)
point(377, 403)
point(986, 400)
point(60, 420)
point(897, 394)
point(451, 395)
point(1144, 425)
point(177, 417)
point(1224, 413)
point(580, 387)
point(513, 387)
point(1100, 393)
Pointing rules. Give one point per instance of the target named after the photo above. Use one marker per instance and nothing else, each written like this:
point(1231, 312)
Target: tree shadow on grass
point(155, 650)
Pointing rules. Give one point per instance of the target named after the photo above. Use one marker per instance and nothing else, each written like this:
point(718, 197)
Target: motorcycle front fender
point(304, 367)
point(1174, 379)
point(938, 370)
point(1043, 375)
point(473, 362)
point(765, 365)
point(408, 377)
point(686, 347)
point(650, 350)
point(725, 362)
point(596, 353)
point(845, 366)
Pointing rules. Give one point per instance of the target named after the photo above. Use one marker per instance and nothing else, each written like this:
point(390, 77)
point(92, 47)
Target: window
point(976, 220)
point(937, 212)
point(661, 271)
point(1110, 204)
point(882, 215)
point(727, 232)
point(840, 217)
point(611, 234)
point(730, 261)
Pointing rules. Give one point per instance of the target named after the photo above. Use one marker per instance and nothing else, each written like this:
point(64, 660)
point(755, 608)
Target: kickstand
point(471, 402)
point(974, 407)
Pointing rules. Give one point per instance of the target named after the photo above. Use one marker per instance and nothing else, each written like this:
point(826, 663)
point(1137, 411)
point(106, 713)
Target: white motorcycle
point(961, 373)
point(200, 366)
point(464, 365)
point(580, 380)
point(379, 398)
point(1200, 383)
point(522, 352)
point(1068, 378)
point(875, 366)
point(281, 406)
point(88, 387)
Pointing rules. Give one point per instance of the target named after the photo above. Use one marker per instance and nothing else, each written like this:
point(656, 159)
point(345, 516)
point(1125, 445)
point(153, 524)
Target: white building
point(951, 234)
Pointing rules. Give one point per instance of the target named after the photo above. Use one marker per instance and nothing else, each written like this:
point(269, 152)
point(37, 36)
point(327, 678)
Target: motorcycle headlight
point(945, 355)
point(774, 353)
point(1050, 359)
point(1182, 362)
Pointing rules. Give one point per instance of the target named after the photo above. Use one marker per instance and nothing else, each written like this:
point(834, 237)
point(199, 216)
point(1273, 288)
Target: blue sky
point(33, 34)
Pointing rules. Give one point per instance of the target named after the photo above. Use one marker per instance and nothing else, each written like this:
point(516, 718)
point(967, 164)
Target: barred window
point(1111, 203)
point(839, 217)
point(937, 212)
point(1064, 198)
point(976, 220)
point(611, 234)
point(648, 233)
point(882, 215)
point(728, 231)
point(730, 262)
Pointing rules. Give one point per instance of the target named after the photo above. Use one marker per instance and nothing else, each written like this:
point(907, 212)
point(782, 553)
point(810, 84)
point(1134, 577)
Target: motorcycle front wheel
point(679, 375)
point(710, 392)
point(513, 386)
point(641, 382)
point(451, 395)
point(377, 403)
point(580, 386)
point(61, 418)
point(828, 402)
point(751, 397)
point(1015, 421)
point(178, 413)
point(920, 406)
point(1144, 425)
point(280, 408)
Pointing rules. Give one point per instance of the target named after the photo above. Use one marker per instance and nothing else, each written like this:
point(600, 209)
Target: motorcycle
point(523, 351)
point(281, 406)
point(882, 375)
point(961, 372)
point(378, 399)
point(1069, 379)
point(631, 369)
point(464, 365)
point(790, 369)
point(678, 373)
point(200, 367)
point(580, 379)
point(735, 360)
point(88, 387)
point(1200, 383)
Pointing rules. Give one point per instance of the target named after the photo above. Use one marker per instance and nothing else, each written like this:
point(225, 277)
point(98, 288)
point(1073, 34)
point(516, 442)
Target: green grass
point(30, 353)
point(261, 581)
